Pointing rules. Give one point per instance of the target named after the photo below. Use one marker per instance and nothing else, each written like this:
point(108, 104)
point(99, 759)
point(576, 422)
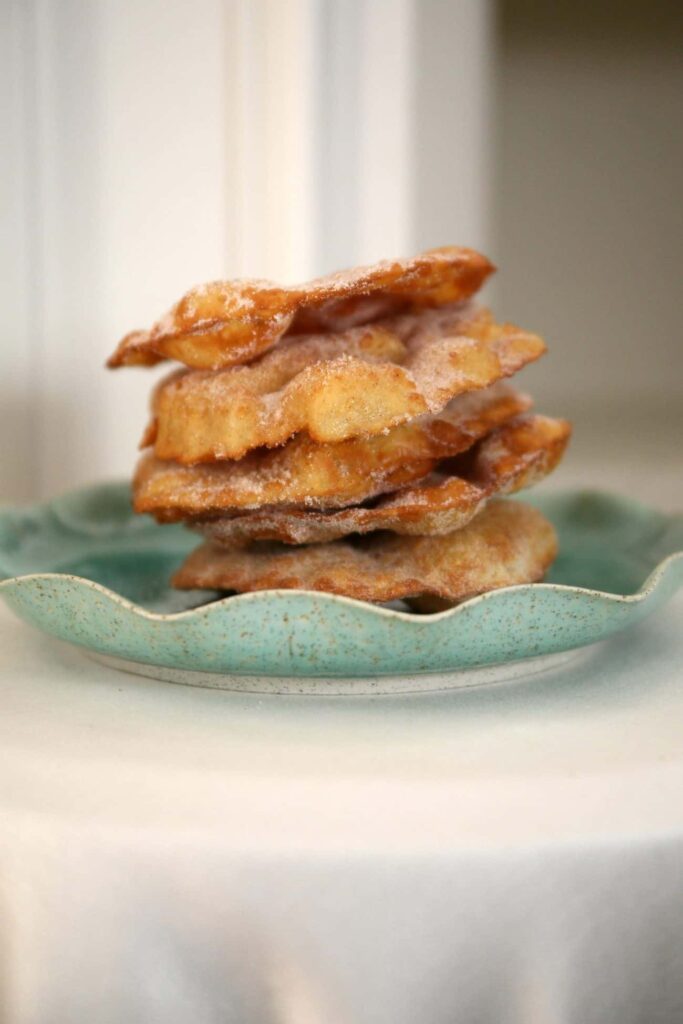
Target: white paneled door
point(153, 144)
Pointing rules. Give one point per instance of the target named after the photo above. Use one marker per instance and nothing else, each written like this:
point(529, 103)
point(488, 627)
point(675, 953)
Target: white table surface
point(507, 854)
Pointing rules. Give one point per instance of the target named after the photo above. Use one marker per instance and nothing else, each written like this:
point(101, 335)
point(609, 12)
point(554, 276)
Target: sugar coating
point(353, 383)
point(351, 434)
point(507, 543)
point(307, 474)
point(516, 455)
point(227, 322)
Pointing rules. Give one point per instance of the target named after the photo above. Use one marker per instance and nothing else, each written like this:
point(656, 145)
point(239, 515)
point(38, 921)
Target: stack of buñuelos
point(351, 435)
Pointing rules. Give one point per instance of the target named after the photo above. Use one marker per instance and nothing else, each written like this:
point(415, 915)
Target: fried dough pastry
point(228, 322)
point(506, 544)
point(514, 456)
point(336, 386)
point(306, 474)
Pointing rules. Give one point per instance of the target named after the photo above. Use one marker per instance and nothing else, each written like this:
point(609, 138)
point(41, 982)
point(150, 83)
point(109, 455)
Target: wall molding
point(159, 144)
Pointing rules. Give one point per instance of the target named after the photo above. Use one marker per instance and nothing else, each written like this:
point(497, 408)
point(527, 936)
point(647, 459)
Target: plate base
point(337, 686)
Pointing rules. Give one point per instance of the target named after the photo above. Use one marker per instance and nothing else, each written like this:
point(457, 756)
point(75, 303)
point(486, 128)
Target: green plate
point(87, 570)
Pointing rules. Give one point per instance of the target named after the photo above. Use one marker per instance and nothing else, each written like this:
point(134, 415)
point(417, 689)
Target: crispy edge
point(332, 400)
point(224, 323)
point(516, 455)
point(508, 543)
point(322, 476)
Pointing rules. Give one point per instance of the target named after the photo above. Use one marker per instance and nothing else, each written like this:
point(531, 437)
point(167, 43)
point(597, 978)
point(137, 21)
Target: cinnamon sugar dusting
point(227, 322)
point(306, 474)
point(352, 434)
point(507, 543)
point(516, 455)
point(336, 386)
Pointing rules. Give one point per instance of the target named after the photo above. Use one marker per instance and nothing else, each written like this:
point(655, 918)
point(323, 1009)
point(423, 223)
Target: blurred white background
point(155, 144)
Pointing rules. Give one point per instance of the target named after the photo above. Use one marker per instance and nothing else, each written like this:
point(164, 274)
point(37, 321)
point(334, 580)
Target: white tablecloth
point(507, 854)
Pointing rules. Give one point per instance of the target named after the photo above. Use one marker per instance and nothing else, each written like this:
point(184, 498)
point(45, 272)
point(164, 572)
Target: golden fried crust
point(306, 474)
point(516, 455)
point(229, 322)
point(336, 386)
point(506, 544)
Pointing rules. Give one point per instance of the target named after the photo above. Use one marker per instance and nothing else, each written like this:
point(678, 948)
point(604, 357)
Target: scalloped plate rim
point(214, 607)
point(569, 616)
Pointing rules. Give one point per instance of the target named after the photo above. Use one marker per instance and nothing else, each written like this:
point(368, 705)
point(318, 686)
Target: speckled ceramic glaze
point(85, 569)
